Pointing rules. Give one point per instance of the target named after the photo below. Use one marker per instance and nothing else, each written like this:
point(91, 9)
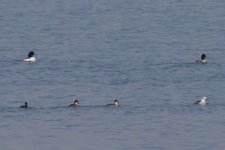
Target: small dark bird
point(25, 105)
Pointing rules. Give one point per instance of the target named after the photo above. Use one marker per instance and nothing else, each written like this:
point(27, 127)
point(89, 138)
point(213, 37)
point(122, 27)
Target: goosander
point(115, 103)
point(76, 103)
point(202, 60)
point(30, 57)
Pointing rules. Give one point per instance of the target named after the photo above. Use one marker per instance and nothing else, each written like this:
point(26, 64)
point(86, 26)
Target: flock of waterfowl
point(76, 103)
point(31, 58)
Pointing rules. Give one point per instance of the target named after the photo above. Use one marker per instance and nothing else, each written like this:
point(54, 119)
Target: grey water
point(141, 52)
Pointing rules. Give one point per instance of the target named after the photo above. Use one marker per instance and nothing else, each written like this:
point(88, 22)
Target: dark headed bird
point(115, 103)
point(30, 57)
point(25, 105)
point(75, 103)
point(202, 60)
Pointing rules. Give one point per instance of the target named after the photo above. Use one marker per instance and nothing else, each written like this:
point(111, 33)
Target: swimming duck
point(76, 103)
point(30, 57)
point(202, 101)
point(202, 60)
point(25, 105)
point(115, 103)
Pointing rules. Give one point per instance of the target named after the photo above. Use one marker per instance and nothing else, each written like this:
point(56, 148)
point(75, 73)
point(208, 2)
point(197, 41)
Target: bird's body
point(202, 60)
point(202, 101)
point(25, 105)
point(76, 103)
point(30, 57)
point(115, 103)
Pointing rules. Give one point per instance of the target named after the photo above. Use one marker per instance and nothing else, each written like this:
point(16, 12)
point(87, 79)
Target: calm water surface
point(140, 52)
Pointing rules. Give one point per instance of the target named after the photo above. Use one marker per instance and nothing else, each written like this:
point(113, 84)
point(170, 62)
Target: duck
point(115, 103)
point(25, 105)
point(30, 57)
point(75, 103)
point(202, 101)
point(202, 60)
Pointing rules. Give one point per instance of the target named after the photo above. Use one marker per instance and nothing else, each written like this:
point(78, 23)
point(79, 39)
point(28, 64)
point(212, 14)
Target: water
point(140, 52)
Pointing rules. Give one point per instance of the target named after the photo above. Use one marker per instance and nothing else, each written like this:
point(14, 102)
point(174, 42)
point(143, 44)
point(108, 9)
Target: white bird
point(202, 101)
